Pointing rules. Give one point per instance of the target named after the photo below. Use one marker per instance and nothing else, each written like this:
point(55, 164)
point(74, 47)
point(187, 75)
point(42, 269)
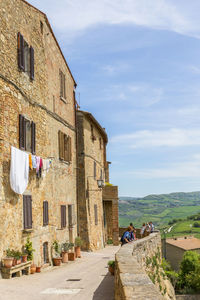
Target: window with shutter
point(27, 211)
point(25, 56)
point(33, 138)
point(63, 216)
point(45, 213)
point(62, 85)
point(31, 63)
point(22, 131)
point(64, 141)
point(95, 169)
point(45, 253)
point(95, 214)
point(27, 134)
point(20, 49)
point(70, 215)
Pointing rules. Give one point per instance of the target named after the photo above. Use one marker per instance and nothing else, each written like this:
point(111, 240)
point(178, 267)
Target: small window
point(25, 56)
point(92, 133)
point(65, 145)
point(45, 213)
point(27, 134)
point(63, 216)
point(62, 86)
point(41, 27)
point(27, 211)
point(95, 169)
point(95, 214)
point(100, 143)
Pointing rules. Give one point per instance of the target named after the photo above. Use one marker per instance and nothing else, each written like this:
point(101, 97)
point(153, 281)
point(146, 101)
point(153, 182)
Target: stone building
point(37, 115)
point(176, 247)
point(97, 206)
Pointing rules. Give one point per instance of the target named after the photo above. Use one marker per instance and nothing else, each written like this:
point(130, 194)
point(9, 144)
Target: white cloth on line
point(19, 170)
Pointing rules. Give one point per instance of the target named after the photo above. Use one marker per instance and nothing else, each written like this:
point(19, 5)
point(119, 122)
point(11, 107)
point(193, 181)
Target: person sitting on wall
point(143, 229)
point(126, 237)
point(152, 227)
point(133, 232)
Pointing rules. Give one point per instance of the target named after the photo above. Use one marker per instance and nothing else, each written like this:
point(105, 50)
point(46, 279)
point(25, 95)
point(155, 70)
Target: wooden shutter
point(20, 49)
point(64, 87)
point(22, 132)
point(66, 148)
point(70, 214)
point(61, 84)
point(45, 213)
point(70, 148)
point(31, 63)
point(63, 216)
point(95, 214)
point(33, 138)
point(61, 144)
point(95, 169)
point(27, 212)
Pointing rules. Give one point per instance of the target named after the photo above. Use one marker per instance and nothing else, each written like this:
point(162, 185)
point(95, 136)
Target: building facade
point(95, 217)
point(37, 115)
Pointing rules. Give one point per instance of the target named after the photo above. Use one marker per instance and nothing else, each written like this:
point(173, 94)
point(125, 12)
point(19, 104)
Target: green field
point(159, 209)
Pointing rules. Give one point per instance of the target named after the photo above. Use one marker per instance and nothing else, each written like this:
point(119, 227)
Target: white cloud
point(159, 138)
point(78, 15)
point(194, 69)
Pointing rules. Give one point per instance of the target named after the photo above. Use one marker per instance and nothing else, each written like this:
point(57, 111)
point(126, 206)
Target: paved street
point(86, 278)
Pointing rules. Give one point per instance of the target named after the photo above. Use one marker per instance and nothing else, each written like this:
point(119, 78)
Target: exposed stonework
point(39, 101)
point(131, 280)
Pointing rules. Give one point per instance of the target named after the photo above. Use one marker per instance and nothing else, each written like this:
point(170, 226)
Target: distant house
point(176, 247)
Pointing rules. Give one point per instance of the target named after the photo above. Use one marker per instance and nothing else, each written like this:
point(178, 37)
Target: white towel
point(19, 170)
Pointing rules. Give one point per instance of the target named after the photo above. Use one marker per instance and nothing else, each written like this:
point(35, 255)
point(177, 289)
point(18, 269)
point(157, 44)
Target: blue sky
point(137, 65)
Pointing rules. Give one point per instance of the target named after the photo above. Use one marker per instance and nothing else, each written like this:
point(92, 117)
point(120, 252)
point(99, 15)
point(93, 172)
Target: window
point(95, 214)
point(45, 253)
point(71, 215)
point(25, 56)
point(93, 137)
point(100, 143)
point(45, 213)
point(26, 134)
point(62, 86)
point(63, 216)
point(65, 151)
point(41, 27)
point(95, 169)
point(27, 211)
point(101, 175)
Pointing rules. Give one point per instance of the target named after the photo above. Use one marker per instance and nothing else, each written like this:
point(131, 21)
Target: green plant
point(111, 263)
point(109, 241)
point(57, 248)
point(65, 247)
point(152, 277)
point(17, 254)
point(78, 242)
point(29, 249)
point(9, 253)
point(148, 261)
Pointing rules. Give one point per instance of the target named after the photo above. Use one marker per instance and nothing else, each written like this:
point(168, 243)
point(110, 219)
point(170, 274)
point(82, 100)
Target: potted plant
point(24, 257)
point(29, 249)
point(38, 268)
point(78, 244)
point(56, 257)
point(65, 249)
point(71, 255)
point(8, 260)
point(33, 269)
point(111, 266)
point(17, 256)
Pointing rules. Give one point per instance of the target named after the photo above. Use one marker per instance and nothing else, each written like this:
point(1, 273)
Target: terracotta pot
point(71, 256)
point(14, 262)
point(38, 269)
point(78, 251)
point(24, 258)
point(64, 257)
point(8, 262)
point(57, 261)
point(111, 270)
point(33, 269)
point(19, 261)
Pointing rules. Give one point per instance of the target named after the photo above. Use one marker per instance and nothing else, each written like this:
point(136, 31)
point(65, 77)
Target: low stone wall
point(187, 297)
point(131, 280)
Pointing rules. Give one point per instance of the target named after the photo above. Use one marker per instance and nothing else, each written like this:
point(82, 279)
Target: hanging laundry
point(30, 162)
point(37, 165)
point(34, 164)
point(40, 167)
point(19, 170)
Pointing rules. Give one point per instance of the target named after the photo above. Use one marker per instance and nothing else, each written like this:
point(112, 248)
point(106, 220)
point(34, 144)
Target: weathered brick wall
point(131, 280)
point(34, 99)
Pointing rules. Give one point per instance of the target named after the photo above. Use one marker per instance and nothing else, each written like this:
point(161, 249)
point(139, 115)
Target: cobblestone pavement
point(85, 279)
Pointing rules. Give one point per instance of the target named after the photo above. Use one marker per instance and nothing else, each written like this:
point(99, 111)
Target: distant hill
point(159, 209)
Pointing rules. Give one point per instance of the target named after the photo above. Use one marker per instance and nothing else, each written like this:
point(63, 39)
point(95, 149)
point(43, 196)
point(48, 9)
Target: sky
point(137, 66)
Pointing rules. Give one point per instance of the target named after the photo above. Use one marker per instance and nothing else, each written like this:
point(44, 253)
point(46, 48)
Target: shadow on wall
point(105, 290)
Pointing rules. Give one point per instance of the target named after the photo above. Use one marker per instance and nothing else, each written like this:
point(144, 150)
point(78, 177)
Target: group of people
point(130, 234)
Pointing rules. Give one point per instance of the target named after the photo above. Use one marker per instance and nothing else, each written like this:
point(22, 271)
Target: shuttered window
point(45, 253)
point(27, 135)
point(25, 56)
point(27, 211)
point(65, 144)
point(45, 213)
point(95, 214)
point(62, 85)
point(95, 169)
point(63, 216)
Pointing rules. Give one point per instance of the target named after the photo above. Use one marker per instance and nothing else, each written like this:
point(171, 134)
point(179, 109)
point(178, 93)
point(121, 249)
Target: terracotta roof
point(45, 16)
point(92, 118)
point(186, 244)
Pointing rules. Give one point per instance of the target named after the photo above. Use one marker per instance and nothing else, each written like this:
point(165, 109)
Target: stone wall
point(131, 279)
point(39, 101)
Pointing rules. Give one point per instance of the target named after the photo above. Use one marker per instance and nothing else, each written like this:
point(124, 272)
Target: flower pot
point(71, 256)
point(14, 262)
point(78, 251)
point(38, 269)
point(111, 270)
point(57, 261)
point(8, 262)
point(64, 257)
point(24, 258)
point(19, 261)
point(33, 269)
